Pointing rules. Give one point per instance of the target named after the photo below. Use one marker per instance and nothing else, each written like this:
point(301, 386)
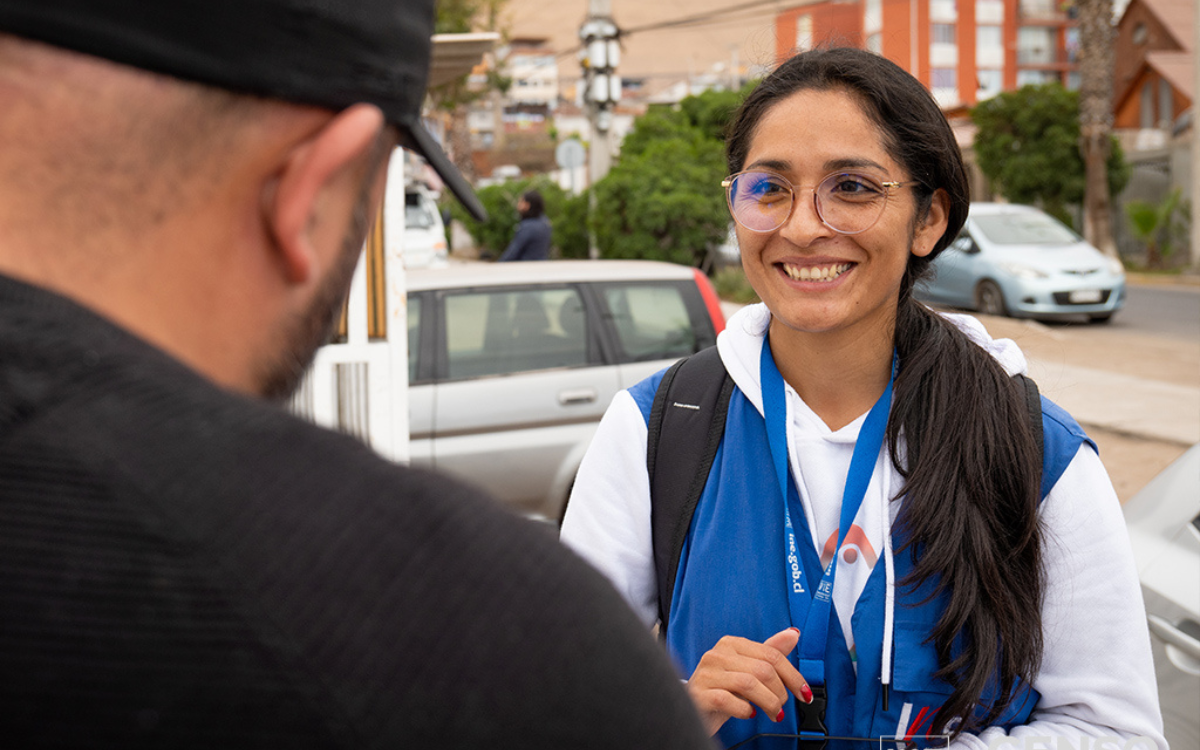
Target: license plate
point(1084, 296)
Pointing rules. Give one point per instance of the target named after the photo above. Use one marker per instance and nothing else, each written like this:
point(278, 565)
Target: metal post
point(1195, 146)
point(602, 89)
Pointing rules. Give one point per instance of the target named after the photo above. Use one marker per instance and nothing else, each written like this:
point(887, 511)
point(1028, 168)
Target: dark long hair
point(970, 461)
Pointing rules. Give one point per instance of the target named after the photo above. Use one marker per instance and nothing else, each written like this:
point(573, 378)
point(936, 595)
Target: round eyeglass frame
point(887, 186)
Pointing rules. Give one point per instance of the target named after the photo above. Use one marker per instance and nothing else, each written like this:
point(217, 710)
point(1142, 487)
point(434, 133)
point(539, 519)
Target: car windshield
point(1024, 229)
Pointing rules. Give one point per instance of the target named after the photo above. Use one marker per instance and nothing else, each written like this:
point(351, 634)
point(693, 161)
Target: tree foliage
point(663, 199)
point(1027, 144)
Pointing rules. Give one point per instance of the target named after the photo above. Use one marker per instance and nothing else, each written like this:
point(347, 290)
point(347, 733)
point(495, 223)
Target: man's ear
point(933, 226)
point(304, 184)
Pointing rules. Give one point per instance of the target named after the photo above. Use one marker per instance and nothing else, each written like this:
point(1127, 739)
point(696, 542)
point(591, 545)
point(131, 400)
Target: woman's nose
point(804, 223)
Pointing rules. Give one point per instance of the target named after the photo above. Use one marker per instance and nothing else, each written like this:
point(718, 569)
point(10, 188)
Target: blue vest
point(731, 582)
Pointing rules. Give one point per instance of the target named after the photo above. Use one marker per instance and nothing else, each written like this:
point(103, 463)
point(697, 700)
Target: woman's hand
point(738, 674)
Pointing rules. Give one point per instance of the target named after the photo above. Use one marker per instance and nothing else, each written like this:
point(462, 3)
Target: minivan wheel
point(989, 300)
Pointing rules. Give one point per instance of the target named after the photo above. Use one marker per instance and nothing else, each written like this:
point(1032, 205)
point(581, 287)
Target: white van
point(424, 231)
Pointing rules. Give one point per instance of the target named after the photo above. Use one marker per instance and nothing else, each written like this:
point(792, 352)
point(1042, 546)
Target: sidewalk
point(1135, 407)
point(1131, 406)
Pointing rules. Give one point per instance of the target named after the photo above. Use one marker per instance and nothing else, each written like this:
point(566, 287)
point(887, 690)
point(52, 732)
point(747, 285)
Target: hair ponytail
point(970, 513)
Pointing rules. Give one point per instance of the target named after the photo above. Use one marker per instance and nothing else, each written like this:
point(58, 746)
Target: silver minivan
point(511, 365)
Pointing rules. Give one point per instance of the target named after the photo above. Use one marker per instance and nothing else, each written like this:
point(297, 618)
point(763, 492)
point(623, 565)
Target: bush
point(732, 286)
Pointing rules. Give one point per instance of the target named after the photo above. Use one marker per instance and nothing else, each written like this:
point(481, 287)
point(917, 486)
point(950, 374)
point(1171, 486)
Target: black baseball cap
point(329, 53)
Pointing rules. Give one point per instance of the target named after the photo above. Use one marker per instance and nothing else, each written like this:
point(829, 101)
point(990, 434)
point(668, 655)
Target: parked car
point(424, 230)
point(1019, 261)
point(1164, 527)
point(512, 365)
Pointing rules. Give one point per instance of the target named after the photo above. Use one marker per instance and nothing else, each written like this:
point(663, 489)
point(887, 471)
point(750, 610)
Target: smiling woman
point(877, 454)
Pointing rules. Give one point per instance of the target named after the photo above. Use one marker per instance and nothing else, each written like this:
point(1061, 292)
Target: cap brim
point(420, 141)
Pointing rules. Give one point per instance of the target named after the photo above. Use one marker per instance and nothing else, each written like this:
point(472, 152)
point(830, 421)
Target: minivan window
point(414, 335)
point(507, 331)
point(651, 321)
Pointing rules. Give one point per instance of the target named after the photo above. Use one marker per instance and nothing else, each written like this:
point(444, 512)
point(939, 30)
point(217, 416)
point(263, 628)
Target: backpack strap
point(688, 416)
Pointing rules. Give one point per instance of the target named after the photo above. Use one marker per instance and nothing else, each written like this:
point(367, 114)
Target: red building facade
point(963, 50)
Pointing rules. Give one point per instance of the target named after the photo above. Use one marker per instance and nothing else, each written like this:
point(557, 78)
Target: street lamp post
point(602, 89)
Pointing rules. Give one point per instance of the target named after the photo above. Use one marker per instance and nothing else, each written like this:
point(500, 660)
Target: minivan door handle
point(577, 396)
point(1173, 635)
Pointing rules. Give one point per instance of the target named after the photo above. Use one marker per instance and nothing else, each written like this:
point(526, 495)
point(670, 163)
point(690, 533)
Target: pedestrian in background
point(184, 192)
point(532, 239)
point(883, 548)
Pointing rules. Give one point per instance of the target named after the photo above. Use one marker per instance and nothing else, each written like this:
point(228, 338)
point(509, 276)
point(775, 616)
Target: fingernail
point(806, 693)
point(794, 628)
point(779, 718)
point(753, 712)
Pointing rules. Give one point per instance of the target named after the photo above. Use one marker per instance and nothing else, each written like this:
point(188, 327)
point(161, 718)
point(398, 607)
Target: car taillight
point(711, 301)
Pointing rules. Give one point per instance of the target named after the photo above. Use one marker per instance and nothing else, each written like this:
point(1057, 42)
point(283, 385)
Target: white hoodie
point(1097, 676)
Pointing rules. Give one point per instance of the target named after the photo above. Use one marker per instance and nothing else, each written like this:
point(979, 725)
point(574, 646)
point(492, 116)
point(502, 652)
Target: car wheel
point(1102, 318)
point(989, 300)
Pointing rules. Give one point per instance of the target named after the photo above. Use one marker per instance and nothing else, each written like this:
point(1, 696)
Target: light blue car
point(1018, 261)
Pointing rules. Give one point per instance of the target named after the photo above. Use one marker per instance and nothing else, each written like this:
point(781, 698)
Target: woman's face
point(813, 279)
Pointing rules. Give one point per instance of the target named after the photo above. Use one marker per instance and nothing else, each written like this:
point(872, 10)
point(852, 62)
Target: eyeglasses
point(846, 202)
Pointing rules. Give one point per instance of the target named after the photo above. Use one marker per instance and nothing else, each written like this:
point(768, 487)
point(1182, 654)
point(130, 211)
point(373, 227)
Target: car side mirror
point(965, 245)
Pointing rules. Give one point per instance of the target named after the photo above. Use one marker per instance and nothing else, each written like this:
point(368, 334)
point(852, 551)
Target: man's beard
point(280, 375)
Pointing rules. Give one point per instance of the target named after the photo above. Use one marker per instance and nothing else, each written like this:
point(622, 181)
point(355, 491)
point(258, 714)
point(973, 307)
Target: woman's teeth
point(815, 273)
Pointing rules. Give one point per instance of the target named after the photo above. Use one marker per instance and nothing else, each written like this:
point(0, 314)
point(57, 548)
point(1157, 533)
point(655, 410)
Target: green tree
point(663, 199)
point(1027, 144)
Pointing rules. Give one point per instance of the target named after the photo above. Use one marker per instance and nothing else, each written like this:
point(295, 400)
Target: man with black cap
point(184, 190)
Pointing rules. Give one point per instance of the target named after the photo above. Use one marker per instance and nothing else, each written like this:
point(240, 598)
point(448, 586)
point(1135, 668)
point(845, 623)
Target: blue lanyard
point(812, 612)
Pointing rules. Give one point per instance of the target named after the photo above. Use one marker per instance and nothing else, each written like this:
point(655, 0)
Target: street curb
point(1186, 280)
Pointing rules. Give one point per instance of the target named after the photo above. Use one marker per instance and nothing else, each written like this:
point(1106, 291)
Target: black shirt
point(184, 567)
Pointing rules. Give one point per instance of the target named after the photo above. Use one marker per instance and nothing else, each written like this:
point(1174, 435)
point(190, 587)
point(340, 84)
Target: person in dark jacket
point(532, 240)
point(184, 193)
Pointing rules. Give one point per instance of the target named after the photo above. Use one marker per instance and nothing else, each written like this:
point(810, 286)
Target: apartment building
point(965, 51)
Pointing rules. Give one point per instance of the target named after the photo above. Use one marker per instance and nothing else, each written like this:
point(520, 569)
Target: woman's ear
point(933, 226)
point(317, 181)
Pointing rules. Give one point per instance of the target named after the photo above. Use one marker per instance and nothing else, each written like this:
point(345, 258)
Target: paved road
point(1161, 311)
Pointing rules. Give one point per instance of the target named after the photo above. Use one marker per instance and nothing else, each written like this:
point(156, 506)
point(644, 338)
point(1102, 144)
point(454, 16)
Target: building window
point(1139, 34)
point(1146, 106)
point(1073, 80)
point(989, 47)
point(991, 82)
point(989, 11)
point(943, 10)
point(944, 78)
point(1166, 104)
point(873, 16)
point(1071, 42)
point(943, 33)
point(1035, 45)
point(1035, 77)
point(804, 32)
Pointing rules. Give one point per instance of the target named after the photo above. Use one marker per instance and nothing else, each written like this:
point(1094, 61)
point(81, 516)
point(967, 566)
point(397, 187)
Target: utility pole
point(1195, 150)
point(602, 89)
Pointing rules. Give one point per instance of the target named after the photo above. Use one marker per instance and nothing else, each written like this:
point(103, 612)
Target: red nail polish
point(794, 628)
point(806, 694)
point(753, 712)
point(779, 718)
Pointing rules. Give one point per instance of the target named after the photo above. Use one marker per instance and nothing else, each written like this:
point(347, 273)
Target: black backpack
point(688, 415)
